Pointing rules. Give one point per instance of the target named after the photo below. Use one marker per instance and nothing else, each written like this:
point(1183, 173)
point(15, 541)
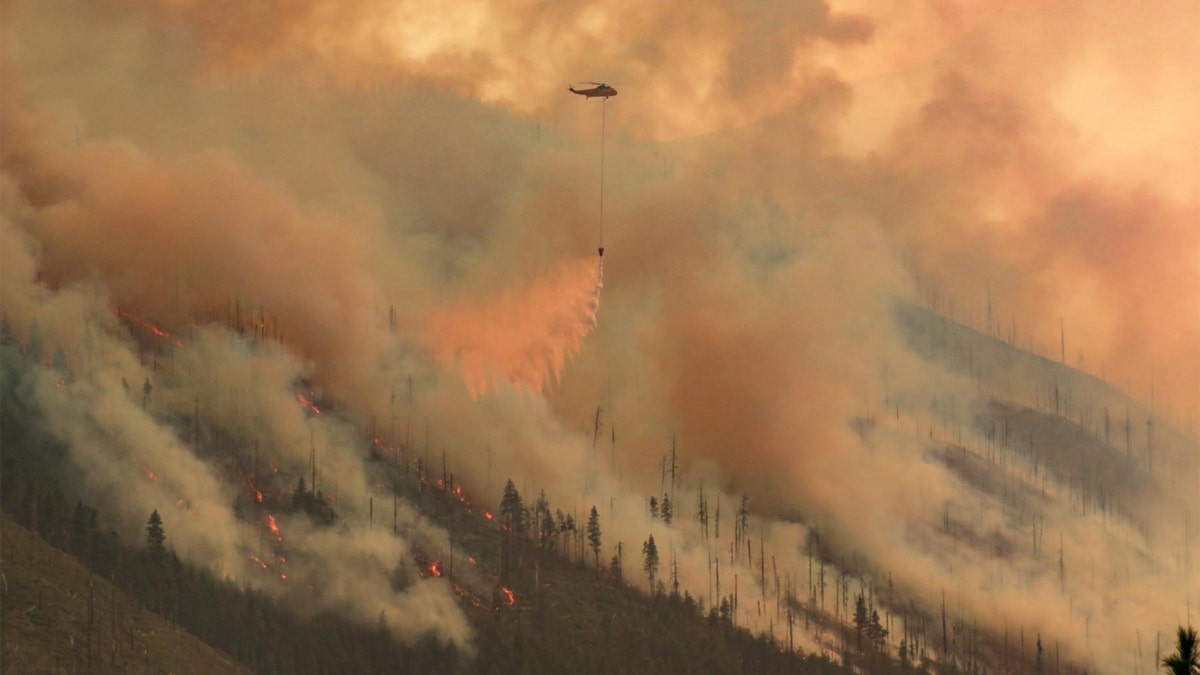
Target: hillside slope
point(50, 600)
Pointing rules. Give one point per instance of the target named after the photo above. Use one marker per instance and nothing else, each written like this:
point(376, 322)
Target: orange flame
point(509, 595)
point(523, 337)
point(150, 474)
point(308, 404)
point(144, 324)
point(274, 528)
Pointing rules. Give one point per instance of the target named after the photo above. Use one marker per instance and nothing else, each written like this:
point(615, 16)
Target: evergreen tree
point(650, 560)
point(666, 509)
point(653, 506)
point(860, 620)
point(1186, 659)
point(542, 505)
point(547, 531)
point(877, 632)
point(512, 508)
point(593, 535)
point(614, 565)
point(155, 536)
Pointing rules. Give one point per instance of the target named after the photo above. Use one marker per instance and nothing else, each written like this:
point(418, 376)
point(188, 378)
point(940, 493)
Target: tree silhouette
point(512, 508)
point(650, 560)
point(1186, 659)
point(593, 535)
point(155, 536)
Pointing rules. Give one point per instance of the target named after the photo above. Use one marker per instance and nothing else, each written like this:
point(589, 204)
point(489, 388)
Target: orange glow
point(274, 528)
point(307, 403)
point(511, 597)
point(524, 337)
point(258, 496)
point(144, 324)
point(150, 474)
point(487, 514)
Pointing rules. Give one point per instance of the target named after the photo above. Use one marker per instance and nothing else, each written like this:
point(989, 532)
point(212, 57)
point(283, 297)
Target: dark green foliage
point(650, 560)
point(593, 534)
point(155, 537)
point(512, 509)
point(313, 504)
point(1186, 659)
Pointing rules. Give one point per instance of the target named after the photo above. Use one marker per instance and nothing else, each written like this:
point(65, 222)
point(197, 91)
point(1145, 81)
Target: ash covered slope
point(1071, 488)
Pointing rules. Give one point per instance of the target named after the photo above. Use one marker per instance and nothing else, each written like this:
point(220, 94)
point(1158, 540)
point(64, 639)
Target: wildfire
point(150, 474)
point(258, 496)
point(487, 514)
point(144, 324)
point(308, 404)
point(258, 560)
point(274, 528)
point(510, 597)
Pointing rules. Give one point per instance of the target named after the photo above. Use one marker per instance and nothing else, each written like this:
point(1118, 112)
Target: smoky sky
point(410, 197)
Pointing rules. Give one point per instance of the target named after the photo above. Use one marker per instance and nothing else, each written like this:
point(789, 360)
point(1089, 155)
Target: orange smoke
point(525, 336)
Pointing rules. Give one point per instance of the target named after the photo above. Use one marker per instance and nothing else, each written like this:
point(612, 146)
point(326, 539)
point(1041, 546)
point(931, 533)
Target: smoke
point(386, 202)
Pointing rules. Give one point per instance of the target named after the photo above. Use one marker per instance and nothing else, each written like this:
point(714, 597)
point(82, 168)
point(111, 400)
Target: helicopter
point(600, 90)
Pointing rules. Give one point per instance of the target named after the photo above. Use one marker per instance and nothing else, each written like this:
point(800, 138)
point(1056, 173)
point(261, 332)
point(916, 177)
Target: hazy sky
point(775, 175)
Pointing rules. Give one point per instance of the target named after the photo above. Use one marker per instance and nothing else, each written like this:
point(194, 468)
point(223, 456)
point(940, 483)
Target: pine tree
point(155, 536)
point(860, 620)
point(877, 632)
point(665, 509)
point(593, 535)
point(1186, 659)
point(512, 508)
point(653, 507)
point(650, 560)
point(547, 531)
